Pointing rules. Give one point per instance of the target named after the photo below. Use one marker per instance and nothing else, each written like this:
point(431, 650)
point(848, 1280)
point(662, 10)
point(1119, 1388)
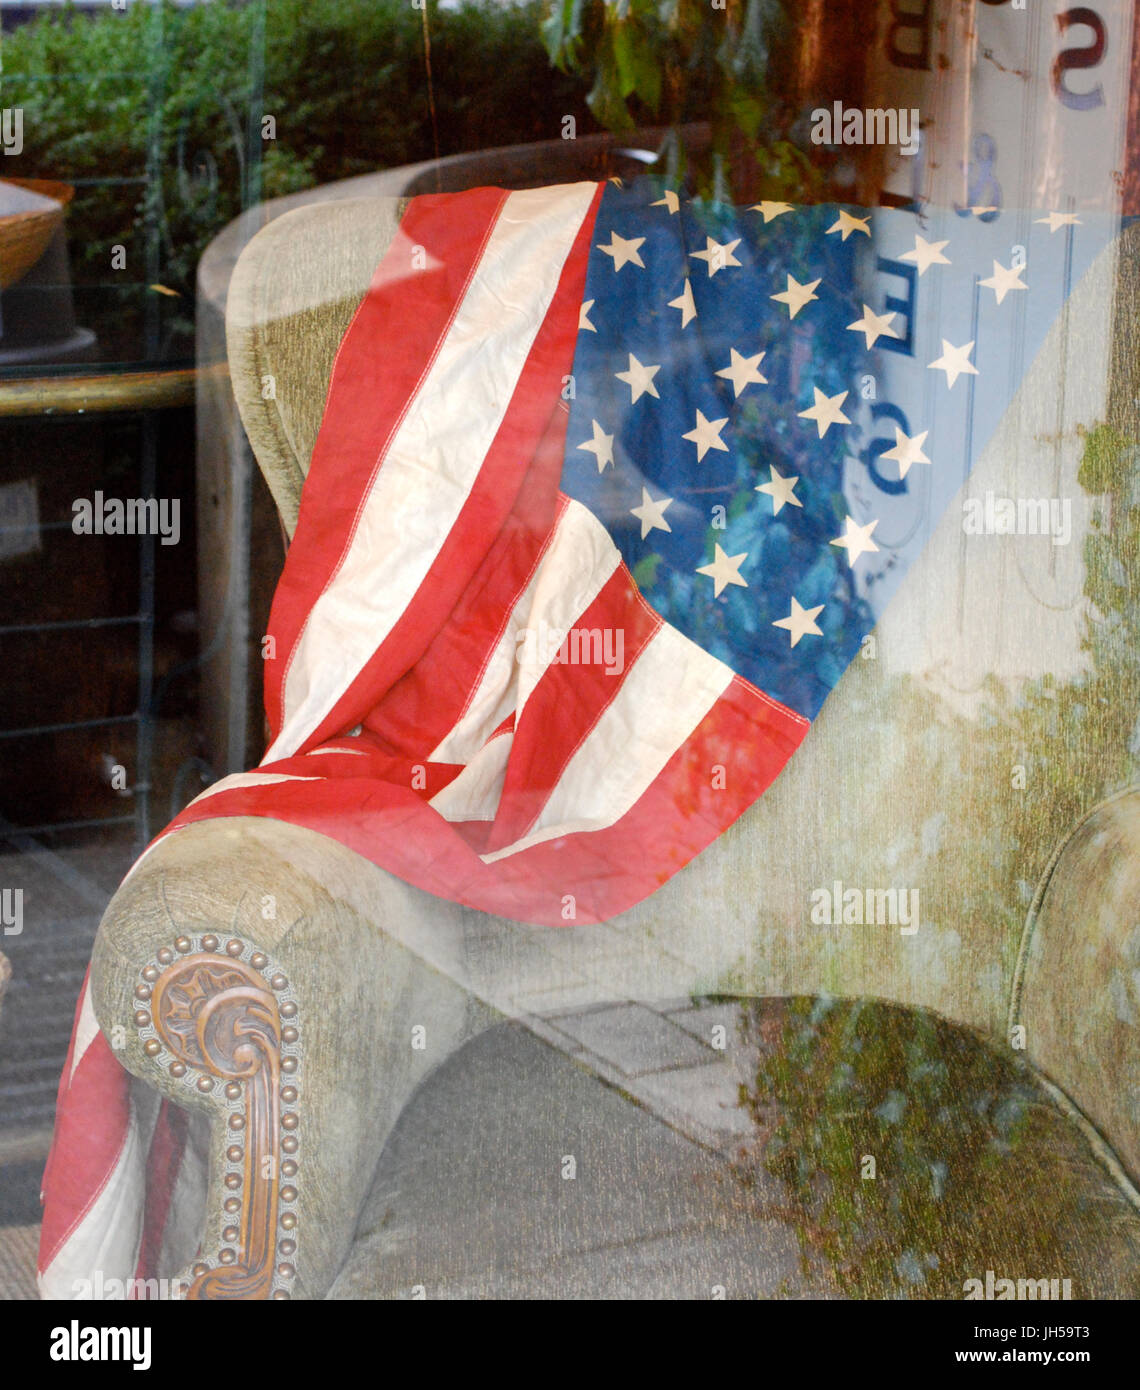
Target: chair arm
point(1077, 989)
point(244, 967)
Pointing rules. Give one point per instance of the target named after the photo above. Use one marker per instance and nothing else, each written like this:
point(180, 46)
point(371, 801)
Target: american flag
point(609, 489)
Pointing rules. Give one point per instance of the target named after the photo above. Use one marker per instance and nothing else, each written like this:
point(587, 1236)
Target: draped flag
point(609, 490)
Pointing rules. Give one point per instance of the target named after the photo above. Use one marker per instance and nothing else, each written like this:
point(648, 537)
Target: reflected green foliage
point(677, 61)
point(974, 1169)
point(183, 91)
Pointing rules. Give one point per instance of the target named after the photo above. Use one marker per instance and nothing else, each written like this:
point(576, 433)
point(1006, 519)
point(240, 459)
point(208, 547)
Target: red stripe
point(565, 706)
point(606, 871)
point(369, 391)
point(61, 1090)
point(430, 699)
point(527, 419)
point(749, 736)
point(368, 762)
point(91, 1124)
point(163, 1164)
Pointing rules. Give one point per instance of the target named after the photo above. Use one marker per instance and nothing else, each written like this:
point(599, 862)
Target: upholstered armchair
point(335, 990)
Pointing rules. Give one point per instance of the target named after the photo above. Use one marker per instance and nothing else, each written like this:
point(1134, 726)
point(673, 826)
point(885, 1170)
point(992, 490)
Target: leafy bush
point(735, 65)
point(170, 101)
point(974, 1169)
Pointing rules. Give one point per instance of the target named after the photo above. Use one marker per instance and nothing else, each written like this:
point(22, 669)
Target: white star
point(1056, 220)
point(601, 446)
point(651, 514)
point(584, 317)
point(907, 450)
point(856, 539)
point(684, 302)
point(742, 372)
point(954, 362)
point(706, 435)
point(846, 224)
point(1003, 280)
point(925, 254)
point(780, 490)
point(826, 412)
point(724, 570)
point(717, 256)
point(800, 622)
point(873, 326)
point(770, 209)
point(639, 379)
point(624, 250)
point(796, 295)
point(668, 200)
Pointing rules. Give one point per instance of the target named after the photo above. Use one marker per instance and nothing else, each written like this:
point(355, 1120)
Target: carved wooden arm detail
point(222, 1018)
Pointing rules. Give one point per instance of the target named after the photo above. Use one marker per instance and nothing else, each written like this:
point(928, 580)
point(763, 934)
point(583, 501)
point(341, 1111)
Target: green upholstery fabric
point(289, 305)
point(860, 802)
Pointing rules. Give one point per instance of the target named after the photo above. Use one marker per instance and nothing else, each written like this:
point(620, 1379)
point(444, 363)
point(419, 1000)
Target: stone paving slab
point(701, 1019)
point(702, 1102)
point(633, 1038)
point(691, 1086)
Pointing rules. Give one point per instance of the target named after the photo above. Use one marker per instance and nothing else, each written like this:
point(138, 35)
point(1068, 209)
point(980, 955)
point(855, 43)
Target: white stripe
point(494, 696)
point(86, 1031)
point(578, 563)
point(664, 696)
point(109, 1236)
point(476, 792)
point(436, 453)
point(251, 779)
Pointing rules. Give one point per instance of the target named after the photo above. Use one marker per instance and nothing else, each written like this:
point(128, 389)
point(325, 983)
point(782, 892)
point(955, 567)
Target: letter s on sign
point(1089, 56)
